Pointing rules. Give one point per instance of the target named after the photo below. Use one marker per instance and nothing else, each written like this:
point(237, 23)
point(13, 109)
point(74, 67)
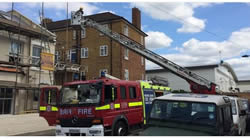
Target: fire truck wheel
point(120, 129)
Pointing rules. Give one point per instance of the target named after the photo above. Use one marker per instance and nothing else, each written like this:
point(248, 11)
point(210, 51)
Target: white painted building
point(20, 73)
point(221, 74)
point(244, 86)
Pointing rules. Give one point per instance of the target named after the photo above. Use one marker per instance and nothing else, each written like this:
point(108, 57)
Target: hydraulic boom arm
point(197, 83)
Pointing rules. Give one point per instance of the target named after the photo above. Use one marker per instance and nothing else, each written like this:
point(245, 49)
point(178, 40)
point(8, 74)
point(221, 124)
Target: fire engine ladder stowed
point(197, 83)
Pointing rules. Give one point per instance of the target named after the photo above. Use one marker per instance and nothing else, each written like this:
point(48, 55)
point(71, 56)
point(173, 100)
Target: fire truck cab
point(95, 107)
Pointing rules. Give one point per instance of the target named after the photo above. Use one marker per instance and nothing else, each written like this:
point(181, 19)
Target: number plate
point(74, 131)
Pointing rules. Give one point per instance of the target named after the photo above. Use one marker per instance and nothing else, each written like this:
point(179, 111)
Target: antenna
point(220, 55)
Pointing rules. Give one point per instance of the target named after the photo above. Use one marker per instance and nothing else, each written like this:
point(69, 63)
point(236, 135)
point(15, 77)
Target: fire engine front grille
point(73, 122)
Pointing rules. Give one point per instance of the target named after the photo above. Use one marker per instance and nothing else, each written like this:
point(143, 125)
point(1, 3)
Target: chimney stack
point(136, 17)
point(46, 21)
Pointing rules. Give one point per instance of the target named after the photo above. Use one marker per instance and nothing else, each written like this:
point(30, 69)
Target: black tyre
point(120, 129)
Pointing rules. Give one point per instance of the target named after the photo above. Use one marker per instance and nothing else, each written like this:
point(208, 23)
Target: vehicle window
point(81, 94)
point(227, 116)
point(110, 93)
point(197, 113)
point(234, 110)
point(132, 92)
point(123, 92)
point(50, 96)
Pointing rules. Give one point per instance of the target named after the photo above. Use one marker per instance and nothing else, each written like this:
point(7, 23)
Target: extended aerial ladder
point(197, 83)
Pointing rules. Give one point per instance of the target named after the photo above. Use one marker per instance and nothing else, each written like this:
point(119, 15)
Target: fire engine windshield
point(81, 94)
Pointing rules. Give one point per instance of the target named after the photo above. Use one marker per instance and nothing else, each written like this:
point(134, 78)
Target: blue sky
point(186, 33)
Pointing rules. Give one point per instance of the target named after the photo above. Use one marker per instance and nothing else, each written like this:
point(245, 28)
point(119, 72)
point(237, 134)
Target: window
point(126, 74)
point(110, 94)
point(50, 96)
point(125, 30)
point(15, 48)
point(74, 34)
point(83, 75)
point(36, 54)
point(227, 118)
point(123, 92)
point(142, 40)
point(126, 53)
point(73, 56)
point(106, 27)
point(104, 50)
point(132, 92)
point(83, 33)
point(68, 54)
point(57, 56)
point(142, 61)
point(103, 70)
point(84, 52)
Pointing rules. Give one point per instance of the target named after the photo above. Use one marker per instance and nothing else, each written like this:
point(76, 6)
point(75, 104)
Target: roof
point(190, 68)
point(230, 69)
point(25, 29)
point(204, 98)
point(225, 64)
point(101, 17)
point(244, 81)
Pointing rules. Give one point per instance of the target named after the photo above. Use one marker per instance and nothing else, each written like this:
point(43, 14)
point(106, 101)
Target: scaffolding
point(18, 63)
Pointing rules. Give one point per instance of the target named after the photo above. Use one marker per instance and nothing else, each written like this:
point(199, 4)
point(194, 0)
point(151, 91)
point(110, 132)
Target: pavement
point(11, 125)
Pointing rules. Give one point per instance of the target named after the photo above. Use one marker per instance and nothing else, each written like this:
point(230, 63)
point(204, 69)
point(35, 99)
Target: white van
point(239, 115)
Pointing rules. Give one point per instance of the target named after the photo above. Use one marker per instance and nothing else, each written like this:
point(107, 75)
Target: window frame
point(123, 86)
point(104, 47)
point(84, 52)
point(36, 57)
point(100, 71)
point(142, 60)
point(135, 93)
point(142, 40)
point(83, 33)
point(71, 52)
point(126, 53)
point(74, 34)
point(126, 71)
point(125, 30)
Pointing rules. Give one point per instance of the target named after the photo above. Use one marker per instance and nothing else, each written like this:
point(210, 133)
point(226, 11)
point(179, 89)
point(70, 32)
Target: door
point(6, 95)
point(48, 104)
point(149, 95)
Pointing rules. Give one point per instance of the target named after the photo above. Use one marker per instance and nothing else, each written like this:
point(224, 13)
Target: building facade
point(244, 86)
point(221, 74)
point(20, 74)
point(85, 53)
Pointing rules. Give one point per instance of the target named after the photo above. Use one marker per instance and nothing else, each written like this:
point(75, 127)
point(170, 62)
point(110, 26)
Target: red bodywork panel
point(200, 89)
point(48, 108)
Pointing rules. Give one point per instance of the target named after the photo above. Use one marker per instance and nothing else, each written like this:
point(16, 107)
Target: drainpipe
point(111, 53)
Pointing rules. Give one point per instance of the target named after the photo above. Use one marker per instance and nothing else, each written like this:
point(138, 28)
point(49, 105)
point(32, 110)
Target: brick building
point(85, 53)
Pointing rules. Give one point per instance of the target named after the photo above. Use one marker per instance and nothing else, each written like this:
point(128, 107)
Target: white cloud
point(72, 6)
point(157, 40)
point(241, 67)
point(5, 6)
point(107, 11)
point(195, 52)
point(182, 13)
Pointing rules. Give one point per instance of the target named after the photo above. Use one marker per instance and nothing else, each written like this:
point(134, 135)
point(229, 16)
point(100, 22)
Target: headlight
point(58, 131)
point(95, 132)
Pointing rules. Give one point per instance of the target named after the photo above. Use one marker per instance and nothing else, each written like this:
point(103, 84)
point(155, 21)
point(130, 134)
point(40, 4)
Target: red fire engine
point(95, 107)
